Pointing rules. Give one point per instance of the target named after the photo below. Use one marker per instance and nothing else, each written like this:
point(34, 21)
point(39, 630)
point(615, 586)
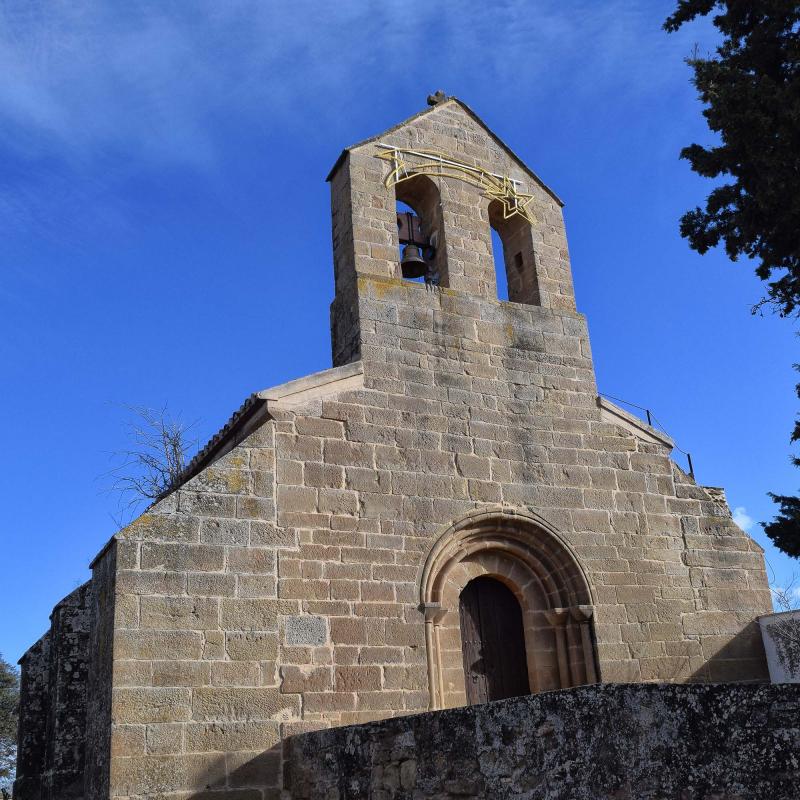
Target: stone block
point(256, 586)
point(151, 704)
point(165, 738)
point(182, 557)
point(210, 584)
point(180, 673)
point(255, 768)
point(128, 741)
point(179, 645)
point(255, 508)
point(163, 528)
point(204, 504)
point(223, 704)
point(245, 614)
point(265, 534)
point(179, 613)
point(357, 679)
point(251, 646)
point(225, 737)
point(251, 560)
point(299, 680)
point(225, 531)
point(156, 775)
point(306, 630)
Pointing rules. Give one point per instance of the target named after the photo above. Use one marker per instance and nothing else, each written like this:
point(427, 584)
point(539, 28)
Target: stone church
point(449, 515)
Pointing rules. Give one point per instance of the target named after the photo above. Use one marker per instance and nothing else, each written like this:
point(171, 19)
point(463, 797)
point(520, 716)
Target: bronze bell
point(413, 264)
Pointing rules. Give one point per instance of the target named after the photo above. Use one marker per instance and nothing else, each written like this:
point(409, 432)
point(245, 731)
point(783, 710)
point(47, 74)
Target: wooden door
point(493, 641)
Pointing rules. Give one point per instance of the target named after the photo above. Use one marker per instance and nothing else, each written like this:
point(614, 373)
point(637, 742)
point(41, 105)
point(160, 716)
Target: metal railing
point(653, 422)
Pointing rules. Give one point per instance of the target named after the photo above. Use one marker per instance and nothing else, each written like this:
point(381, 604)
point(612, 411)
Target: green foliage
point(9, 702)
point(751, 92)
point(784, 530)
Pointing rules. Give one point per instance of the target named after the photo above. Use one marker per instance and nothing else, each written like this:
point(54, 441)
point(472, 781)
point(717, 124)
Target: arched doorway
point(528, 556)
point(492, 641)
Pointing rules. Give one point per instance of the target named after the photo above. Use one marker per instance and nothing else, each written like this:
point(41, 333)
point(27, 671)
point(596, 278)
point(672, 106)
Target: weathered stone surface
point(306, 630)
point(622, 741)
point(224, 704)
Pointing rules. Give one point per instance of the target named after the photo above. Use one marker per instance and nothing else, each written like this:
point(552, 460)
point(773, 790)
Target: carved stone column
point(582, 615)
point(557, 617)
point(433, 616)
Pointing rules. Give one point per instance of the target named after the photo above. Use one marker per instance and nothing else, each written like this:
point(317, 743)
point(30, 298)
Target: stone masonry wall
point(34, 702)
point(196, 698)
point(101, 676)
point(279, 590)
point(594, 743)
point(53, 705)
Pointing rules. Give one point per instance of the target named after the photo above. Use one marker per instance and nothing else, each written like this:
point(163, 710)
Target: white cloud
point(92, 91)
point(154, 80)
point(742, 518)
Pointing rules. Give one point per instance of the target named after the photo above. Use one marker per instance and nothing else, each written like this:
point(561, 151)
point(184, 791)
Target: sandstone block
point(225, 737)
point(180, 613)
point(158, 774)
point(163, 528)
point(235, 673)
point(208, 584)
point(222, 704)
point(255, 508)
point(251, 560)
point(165, 738)
point(256, 586)
point(179, 645)
point(251, 646)
point(245, 614)
point(357, 679)
point(255, 768)
point(225, 531)
point(306, 679)
point(180, 673)
point(151, 704)
point(265, 534)
point(182, 557)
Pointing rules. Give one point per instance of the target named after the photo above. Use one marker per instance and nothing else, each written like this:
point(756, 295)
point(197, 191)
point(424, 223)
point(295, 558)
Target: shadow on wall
point(741, 659)
point(256, 776)
point(242, 776)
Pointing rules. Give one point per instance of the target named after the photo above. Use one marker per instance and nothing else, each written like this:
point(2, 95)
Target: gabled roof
point(433, 109)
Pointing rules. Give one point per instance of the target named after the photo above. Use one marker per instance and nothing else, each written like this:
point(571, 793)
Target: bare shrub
point(160, 448)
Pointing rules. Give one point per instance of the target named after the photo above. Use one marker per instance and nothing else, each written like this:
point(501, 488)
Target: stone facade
point(593, 743)
point(307, 572)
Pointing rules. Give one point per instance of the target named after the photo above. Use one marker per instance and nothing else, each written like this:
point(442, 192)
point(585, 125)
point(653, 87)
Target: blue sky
point(165, 231)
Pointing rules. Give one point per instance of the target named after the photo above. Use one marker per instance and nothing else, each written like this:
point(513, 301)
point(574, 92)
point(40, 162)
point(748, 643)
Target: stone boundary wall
point(53, 696)
point(621, 741)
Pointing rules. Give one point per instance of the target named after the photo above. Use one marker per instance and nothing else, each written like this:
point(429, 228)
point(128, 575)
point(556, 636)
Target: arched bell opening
point(514, 256)
point(420, 228)
point(536, 566)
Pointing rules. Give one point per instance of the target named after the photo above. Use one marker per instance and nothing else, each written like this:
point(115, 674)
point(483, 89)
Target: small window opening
point(499, 266)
